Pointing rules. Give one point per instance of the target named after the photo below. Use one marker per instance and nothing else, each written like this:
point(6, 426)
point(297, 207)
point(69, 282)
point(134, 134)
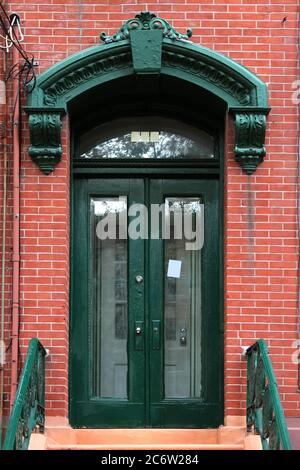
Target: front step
point(145, 447)
point(67, 438)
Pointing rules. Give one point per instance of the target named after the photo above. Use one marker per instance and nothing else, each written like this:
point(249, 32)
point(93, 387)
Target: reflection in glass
point(108, 326)
point(182, 308)
point(148, 138)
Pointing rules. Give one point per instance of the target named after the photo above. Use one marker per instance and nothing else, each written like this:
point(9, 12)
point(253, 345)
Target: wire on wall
point(26, 70)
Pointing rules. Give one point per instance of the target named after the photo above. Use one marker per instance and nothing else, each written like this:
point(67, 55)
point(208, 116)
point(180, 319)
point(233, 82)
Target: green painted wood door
point(185, 372)
point(146, 347)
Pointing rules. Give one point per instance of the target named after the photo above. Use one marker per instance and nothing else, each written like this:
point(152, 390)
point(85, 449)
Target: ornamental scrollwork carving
point(209, 73)
point(145, 21)
point(45, 137)
point(84, 74)
point(196, 67)
point(250, 131)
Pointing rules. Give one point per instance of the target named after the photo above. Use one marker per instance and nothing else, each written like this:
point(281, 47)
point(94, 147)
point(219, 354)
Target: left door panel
point(107, 383)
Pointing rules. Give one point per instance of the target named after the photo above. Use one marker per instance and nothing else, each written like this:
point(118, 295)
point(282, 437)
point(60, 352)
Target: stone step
point(166, 447)
point(63, 437)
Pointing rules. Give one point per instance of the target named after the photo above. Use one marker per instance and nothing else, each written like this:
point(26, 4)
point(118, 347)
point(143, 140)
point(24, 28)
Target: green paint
point(29, 406)
point(250, 130)
point(45, 137)
point(156, 335)
point(146, 405)
point(86, 410)
point(264, 409)
point(145, 21)
point(139, 339)
point(146, 48)
point(121, 56)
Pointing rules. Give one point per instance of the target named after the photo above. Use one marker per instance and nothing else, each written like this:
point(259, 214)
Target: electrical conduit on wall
point(16, 225)
point(3, 113)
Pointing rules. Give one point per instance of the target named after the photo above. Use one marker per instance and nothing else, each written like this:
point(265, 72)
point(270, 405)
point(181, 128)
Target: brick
point(261, 285)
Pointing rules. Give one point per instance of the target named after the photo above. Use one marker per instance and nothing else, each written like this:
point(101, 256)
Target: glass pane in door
point(108, 325)
point(182, 303)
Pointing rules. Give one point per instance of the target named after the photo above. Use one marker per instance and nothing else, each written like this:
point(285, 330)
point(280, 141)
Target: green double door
point(146, 339)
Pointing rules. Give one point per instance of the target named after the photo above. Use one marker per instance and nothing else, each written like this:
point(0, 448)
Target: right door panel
point(186, 367)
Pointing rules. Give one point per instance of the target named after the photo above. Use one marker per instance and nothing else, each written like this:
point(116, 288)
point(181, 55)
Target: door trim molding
point(165, 52)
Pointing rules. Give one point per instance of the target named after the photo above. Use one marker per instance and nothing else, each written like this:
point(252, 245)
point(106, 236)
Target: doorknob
point(139, 279)
point(138, 331)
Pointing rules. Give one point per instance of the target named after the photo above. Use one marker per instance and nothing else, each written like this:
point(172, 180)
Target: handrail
point(264, 409)
point(29, 405)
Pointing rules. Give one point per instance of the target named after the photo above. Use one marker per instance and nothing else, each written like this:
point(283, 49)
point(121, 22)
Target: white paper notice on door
point(174, 268)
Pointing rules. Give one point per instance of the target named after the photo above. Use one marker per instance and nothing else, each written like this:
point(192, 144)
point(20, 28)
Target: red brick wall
point(261, 257)
point(6, 146)
point(45, 268)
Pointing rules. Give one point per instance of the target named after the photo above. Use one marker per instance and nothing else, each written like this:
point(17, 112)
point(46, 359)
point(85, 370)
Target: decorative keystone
point(250, 131)
point(45, 137)
point(146, 51)
point(145, 21)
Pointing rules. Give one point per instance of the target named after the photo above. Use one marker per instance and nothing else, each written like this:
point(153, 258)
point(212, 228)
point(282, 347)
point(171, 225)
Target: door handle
point(156, 335)
point(139, 336)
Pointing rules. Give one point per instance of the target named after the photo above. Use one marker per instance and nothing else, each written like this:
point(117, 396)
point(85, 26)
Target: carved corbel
point(250, 131)
point(45, 137)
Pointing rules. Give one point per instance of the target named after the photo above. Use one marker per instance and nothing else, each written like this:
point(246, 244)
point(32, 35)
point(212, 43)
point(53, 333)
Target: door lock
point(183, 337)
point(156, 340)
point(139, 336)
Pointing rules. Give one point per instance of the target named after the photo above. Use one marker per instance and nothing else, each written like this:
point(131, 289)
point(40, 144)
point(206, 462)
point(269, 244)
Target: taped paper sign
point(174, 268)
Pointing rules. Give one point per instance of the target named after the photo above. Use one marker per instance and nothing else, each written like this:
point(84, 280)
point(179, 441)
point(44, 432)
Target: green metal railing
point(264, 411)
point(29, 407)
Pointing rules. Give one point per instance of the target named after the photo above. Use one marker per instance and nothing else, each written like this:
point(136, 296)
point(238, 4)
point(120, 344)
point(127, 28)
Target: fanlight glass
point(146, 137)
